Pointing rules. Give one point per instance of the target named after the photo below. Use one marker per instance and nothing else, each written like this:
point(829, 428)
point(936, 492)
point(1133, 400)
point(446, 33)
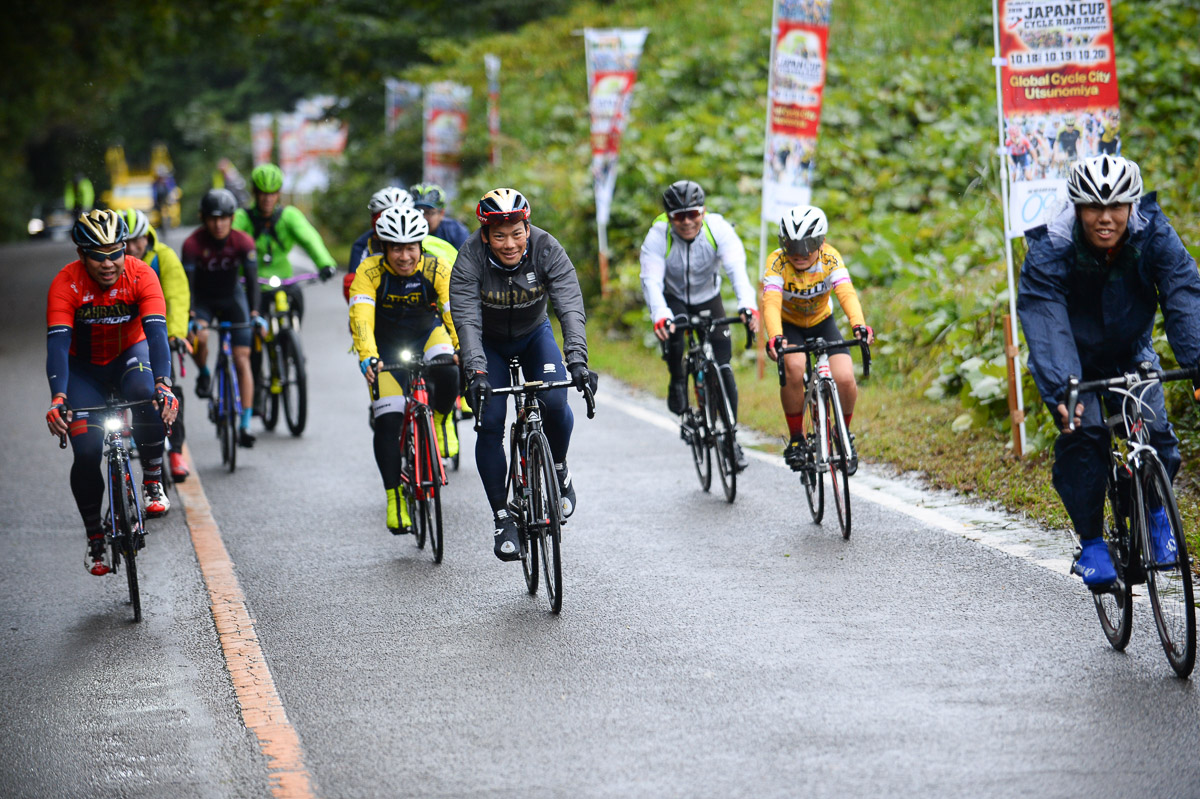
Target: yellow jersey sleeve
point(772, 298)
point(437, 271)
point(363, 291)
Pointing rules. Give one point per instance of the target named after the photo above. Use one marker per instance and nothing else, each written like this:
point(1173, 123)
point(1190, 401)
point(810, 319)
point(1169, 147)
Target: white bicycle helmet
point(137, 222)
point(401, 225)
point(1104, 180)
point(387, 197)
point(802, 230)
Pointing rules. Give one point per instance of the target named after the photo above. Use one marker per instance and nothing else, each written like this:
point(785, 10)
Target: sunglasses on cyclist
point(687, 213)
point(101, 257)
point(802, 248)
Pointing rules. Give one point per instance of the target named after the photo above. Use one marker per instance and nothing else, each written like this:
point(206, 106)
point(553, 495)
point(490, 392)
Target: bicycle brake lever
point(1072, 400)
point(62, 442)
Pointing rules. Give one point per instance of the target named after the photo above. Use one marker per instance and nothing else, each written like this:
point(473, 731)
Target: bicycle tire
point(697, 435)
point(429, 494)
point(123, 501)
point(544, 509)
point(294, 381)
point(267, 382)
point(231, 415)
point(1115, 608)
point(720, 422)
point(518, 500)
point(813, 477)
point(408, 480)
point(839, 459)
point(1170, 585)
point(455, 418)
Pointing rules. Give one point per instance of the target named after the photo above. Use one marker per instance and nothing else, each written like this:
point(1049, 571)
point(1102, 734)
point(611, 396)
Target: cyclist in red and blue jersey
point(217, 258)
point(107, 332)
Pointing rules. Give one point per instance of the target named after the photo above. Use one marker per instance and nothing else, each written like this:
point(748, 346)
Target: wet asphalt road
point(704, 650)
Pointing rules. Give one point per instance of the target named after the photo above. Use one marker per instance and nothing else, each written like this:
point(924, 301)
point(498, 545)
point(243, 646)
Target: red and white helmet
point(502, 205)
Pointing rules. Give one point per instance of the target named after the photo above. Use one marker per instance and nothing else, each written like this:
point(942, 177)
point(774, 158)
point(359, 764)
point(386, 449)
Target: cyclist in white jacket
point(682, 258)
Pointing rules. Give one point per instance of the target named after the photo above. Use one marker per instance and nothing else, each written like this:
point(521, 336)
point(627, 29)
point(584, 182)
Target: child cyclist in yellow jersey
point(400, 300)
point(797, 306)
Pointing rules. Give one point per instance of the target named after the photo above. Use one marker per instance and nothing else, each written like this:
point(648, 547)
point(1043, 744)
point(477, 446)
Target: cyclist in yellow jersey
point(797, 306)
point(400, 300)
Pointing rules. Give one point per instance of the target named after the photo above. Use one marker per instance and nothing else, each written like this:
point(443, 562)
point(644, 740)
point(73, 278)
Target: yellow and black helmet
point(99, 228)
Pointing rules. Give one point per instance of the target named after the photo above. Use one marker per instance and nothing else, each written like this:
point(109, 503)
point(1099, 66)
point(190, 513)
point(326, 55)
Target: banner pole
point(1012, 342)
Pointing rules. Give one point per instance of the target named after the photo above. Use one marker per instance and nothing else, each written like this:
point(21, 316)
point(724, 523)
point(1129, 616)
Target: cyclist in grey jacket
point(498, 294)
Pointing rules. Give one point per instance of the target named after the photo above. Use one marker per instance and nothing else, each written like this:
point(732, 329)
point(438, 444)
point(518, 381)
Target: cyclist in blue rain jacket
point(1089, 289)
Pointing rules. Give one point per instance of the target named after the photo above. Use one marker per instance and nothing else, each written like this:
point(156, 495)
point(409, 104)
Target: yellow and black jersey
point(803, 298)
point(389, 311)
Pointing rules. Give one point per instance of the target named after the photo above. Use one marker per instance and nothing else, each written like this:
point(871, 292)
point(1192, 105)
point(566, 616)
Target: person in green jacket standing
point(276, 229)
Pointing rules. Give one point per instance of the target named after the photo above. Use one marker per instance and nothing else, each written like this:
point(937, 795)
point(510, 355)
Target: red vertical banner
point(1059, 98)
point(799, 54)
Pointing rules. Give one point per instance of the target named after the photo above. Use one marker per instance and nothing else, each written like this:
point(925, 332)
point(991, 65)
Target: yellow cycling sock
point(447, 436)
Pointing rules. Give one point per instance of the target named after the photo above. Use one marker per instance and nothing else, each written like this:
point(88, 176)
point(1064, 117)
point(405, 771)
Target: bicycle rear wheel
point(839, 460)
point(814, 475)
point(720, 420)
point(230, 414)
point(1115, 608)
point(544, 506)
point(1170, 582)
point(293, 381)
point(429, 495)
point(517, 500)
point(697, 435)
point(126, 530)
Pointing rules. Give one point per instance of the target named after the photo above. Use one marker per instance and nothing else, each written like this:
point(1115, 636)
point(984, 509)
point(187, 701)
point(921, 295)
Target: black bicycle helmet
point(683, 195)
point(218, 202)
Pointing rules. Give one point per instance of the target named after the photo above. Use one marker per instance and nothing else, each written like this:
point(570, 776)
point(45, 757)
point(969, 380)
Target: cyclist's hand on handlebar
point(580, 376)
point(750, 317)
point(865, 333)
point(325, 273)
point(774, 345)
point(167, 402)
point(58, 416)
point(663, 328)
point(479, 390)
point(369, 367)
point(181, 345)
point(1065, 424)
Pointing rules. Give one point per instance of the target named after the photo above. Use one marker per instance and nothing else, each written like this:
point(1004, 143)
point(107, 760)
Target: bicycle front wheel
point(126, 530)
point(544, 507)
point(720, 421)
point(429, 495)
point(839, 459)
point(270, 384)
point(517, 498)
point(1169, 573)
point(293, 381)
point(1115, 608)
point(813, 475)
point(230, 414)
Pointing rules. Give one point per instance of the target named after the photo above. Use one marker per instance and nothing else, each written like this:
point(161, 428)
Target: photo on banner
point(445, 131)
point(1059, 96)
point(799, 57)
point(400, 98)
point(612, 58)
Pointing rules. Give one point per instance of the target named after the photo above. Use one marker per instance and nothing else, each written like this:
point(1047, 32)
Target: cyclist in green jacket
point(276, 229)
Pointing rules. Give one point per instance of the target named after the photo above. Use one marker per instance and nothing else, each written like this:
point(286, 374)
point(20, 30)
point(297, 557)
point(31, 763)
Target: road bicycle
point(281, 378)
point(168, 478)
point(124, 533)
point(709, 428)
point(532, 486)
point(225, 399)
point(1137, 488)
point(421, 470)
point(825, 445)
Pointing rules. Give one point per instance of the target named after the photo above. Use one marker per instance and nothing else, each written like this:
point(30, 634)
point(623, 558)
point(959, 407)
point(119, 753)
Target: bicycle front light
point(274, 282)
point(405, 356)
point(114, 424)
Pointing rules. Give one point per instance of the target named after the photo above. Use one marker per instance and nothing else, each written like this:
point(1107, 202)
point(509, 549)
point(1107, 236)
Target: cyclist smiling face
point(507, 241)
point(105, 272)
point(1104, 226)
point(687, 222)
point(403, 257)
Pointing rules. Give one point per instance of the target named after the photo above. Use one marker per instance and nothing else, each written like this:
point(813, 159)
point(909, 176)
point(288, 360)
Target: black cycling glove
point(579, 374)
point(325, 273)
point(480, 390)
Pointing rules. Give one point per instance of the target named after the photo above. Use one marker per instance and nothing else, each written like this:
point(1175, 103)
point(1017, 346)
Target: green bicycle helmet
point(267, 178)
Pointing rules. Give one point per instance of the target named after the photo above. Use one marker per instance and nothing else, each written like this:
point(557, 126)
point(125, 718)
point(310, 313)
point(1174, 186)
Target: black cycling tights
point(443, 384)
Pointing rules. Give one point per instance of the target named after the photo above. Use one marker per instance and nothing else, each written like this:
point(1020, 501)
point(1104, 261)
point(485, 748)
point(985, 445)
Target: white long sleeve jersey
point(688, 270)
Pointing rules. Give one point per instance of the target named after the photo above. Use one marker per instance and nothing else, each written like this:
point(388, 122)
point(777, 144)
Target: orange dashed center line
point(262, 710)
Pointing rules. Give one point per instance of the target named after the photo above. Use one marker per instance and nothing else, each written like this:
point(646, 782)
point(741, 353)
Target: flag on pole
point(445, 130)
point(1058, 96)
point(492, 65)
point(262, 138)
point(799, 48)
point(400, 97)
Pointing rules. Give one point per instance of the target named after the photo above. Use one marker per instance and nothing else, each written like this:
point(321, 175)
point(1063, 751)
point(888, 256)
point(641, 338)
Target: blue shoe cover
point(1094, 564)
point(1162, 538)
